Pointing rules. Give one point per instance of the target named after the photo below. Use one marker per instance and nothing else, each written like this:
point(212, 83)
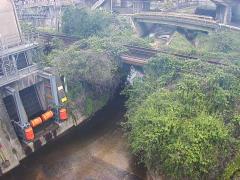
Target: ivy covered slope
point(183, 115)
point(91, 65)
point(217, 46)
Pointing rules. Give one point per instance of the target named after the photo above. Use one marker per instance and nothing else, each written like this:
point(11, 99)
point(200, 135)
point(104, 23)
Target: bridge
point(47, 37)
point(227, 10)
point(139, 56)
point(193, 22)
point(145, 21)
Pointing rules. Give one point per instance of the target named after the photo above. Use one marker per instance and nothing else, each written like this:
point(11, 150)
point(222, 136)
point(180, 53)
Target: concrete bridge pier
point(190, 35)
point(236, 13)
point(108, 5)
point(223, 14)
point(142, 28)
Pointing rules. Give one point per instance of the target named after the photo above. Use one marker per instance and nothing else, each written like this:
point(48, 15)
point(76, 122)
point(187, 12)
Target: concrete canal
point(97, 150)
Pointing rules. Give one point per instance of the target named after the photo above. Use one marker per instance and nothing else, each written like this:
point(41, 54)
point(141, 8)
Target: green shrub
point(182, 117)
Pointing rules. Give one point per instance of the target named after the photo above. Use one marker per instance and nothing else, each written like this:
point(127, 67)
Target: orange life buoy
point(36, 122)
point(47, 116)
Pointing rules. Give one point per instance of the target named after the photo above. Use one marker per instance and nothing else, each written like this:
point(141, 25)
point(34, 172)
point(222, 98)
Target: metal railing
point(9, 72)
point(9, 41)
point(135, 6)
point(14, 40)
point(97, 4)
point(41, 3)
point(205, 21)
point(180, 19)
point(9, 46)
point(26, 16)
point(176, 15)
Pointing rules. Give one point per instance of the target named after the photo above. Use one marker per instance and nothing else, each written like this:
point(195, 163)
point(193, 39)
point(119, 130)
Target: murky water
point(97, 150)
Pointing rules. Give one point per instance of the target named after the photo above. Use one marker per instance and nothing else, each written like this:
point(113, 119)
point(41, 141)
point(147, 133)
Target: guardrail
point(176, 15)
point(33, 4)
point(10, 40)
point(7, 76)
point(14, 40)
point(180, 19)
point(225, 26)
point(14, 44)
point(32, 16)
point(134, 56)
point(203, 23)
point(60, 36)
point(97, 4)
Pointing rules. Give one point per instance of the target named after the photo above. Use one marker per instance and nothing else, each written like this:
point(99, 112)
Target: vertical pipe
point(54, 89)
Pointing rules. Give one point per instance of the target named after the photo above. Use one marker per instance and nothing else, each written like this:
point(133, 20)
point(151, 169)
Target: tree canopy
point(84, 23)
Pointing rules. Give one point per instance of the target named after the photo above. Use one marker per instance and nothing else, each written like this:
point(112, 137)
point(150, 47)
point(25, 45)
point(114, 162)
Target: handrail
point(97, 4)
point(14, 40)
point(12, 73)
point(186, 18)
point(176, 15)
point(32, 4)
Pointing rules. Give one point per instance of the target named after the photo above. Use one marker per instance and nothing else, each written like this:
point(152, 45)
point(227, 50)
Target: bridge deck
point(135, 56)
point(189, 21)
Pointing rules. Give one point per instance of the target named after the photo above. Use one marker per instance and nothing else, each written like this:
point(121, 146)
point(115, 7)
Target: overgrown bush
point(181, 117)
point(91, 65)
point(90, 75)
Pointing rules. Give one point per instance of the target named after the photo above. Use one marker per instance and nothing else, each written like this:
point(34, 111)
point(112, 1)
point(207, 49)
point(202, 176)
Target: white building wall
point(9, 27)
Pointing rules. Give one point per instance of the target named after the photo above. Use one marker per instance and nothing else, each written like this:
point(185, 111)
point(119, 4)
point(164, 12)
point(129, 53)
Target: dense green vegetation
point(91, 65)
point(84, 23)
point(183, 115)
point(90, 75)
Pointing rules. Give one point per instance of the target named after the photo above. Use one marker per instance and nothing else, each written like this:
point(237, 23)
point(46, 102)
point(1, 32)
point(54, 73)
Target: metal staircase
point(97, 4)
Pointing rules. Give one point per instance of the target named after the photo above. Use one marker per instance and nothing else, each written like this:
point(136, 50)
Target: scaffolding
point(14, 62)
point(42, 13)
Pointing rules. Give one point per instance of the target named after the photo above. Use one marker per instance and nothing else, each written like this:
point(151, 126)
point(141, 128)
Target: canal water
point(96, 150)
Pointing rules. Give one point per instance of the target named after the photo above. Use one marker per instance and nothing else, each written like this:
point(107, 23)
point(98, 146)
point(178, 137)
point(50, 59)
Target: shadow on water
point(95, 150)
